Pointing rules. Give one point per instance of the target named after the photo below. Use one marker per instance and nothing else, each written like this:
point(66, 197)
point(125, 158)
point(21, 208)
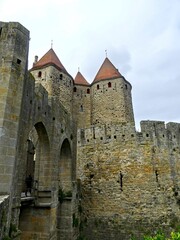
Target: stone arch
point(65, 209)
point(38, 157)
point(42, 157)
point(65, 166)
point(38, 154)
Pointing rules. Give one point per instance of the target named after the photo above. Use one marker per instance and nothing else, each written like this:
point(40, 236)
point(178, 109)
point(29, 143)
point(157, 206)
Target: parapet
point(16, 25)
point(106, 133)
point(160, 133)
point(155, 133)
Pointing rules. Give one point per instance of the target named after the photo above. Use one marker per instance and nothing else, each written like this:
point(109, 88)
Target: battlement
point(6, 26)
point(106, 133)
point(154, 132)
point(160, 132)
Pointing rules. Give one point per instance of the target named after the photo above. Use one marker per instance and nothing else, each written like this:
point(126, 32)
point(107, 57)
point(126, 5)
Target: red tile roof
point(49, 58)
point(107, 71)
point(80, 80)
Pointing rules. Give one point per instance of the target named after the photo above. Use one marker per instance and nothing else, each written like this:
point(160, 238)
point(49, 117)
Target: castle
point(94, 175)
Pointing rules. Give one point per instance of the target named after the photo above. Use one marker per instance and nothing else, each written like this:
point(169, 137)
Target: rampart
point(129, 180)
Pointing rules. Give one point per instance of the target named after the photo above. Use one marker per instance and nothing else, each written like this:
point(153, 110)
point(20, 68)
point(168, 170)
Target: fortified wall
point(129, 180)
point(94, 176)
point(38, 138)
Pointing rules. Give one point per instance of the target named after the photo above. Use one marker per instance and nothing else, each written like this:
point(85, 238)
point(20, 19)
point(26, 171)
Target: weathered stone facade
point(94, 176)
point(130, 180)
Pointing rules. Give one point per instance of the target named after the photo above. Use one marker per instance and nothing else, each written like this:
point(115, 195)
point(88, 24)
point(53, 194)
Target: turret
point(81, 101)
point(111, 96)
point(50, 72)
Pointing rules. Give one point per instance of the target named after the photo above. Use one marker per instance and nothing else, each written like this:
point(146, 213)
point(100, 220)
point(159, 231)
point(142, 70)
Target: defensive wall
point(129, 180)
point(38, 137)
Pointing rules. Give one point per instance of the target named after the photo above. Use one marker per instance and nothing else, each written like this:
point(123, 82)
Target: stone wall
point(28, 113)
point(129, 180)
point(13, 63)
point(46, 123)
point(4, 208)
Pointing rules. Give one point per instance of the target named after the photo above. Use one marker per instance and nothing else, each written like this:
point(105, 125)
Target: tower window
point(74, 89)
point(18, 61)
point(60, 76)
point(0, 31)
point(109, 84)
point(39, 74)
point(126, 86)
point(97, 86)
point(121, 180)
point(88, 90)
point(81, 108)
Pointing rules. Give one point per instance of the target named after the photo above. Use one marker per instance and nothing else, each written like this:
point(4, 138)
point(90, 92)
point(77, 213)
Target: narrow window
point(88, 90)
point(109, 84)
point(126, 86)
point(82, 134)
point(97, 86)
point(74, 89)
point(39, 74)
point(157, 176)
point(0, 31)
point(60, 76)
point(121, 180)
point(81, 108)
point(18, 61)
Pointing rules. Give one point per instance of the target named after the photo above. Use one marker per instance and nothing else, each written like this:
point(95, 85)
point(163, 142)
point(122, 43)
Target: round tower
point(50, 72)
point(111, 96)
point(81, 101)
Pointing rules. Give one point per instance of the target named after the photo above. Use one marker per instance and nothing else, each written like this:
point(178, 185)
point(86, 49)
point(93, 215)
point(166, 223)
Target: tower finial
point(106, 52)
point(51, 43)
point(78, 69)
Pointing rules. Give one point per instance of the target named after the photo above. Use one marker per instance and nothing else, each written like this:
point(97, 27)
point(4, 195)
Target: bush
point(161, 236)
point(175, 235)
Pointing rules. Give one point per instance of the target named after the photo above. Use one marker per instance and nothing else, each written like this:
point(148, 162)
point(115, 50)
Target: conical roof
point(107, 71)
point(50, 58)
point(80, 80)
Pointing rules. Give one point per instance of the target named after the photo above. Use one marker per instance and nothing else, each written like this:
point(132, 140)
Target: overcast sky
point(142, 38)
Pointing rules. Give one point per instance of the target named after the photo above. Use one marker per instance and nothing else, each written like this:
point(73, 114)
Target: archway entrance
point(35, 212)
point(65, 210)
point(65, 167)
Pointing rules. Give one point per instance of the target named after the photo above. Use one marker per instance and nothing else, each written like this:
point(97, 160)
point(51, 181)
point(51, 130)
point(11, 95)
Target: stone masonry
point(94, 176)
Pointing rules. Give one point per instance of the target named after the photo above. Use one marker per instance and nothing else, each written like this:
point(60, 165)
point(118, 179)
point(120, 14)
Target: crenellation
point(107, 133)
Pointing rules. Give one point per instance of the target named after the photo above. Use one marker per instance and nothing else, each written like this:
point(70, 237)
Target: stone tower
point(82, 101)
point(111, 97)
point(14, 43)
point(50, 72)
point(106, 101)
